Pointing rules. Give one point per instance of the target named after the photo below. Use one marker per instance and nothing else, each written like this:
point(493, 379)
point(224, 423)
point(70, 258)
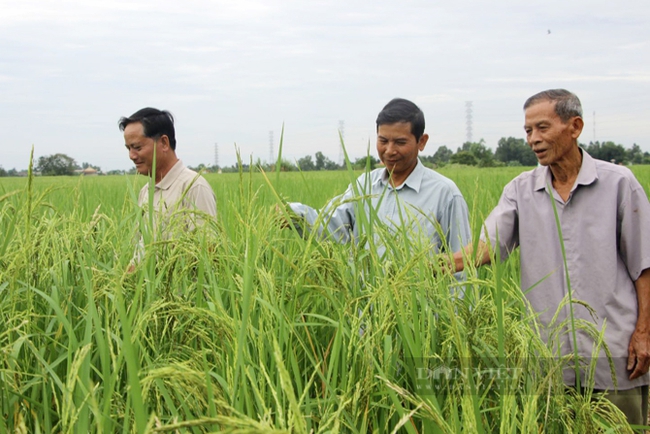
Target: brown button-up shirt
point(605, 225)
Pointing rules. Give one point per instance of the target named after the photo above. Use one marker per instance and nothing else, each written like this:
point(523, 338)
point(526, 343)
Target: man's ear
point(576, 126)
point(423, 142)
point(164, 142)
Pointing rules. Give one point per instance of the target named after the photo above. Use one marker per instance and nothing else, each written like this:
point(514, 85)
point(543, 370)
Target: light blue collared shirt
point(426, 206)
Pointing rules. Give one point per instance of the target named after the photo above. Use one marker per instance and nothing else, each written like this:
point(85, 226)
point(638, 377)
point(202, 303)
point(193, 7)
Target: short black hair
point(567, 104)
point(402, 110)
point(155, 123)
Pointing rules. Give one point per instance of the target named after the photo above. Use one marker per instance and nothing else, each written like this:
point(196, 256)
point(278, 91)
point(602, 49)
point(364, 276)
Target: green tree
point(324, 163)
point(367, 161)
point(593, 148)
point(320, 160)
point(56, 165)
point(3, 172)
point(331, 165)
point(646, 158)
point(306, 163)
point(464, 157)
point(442, 156)
point(634, 155)
point(510, 150)
point(607, 151)
point(483, 154)
point(285, 166)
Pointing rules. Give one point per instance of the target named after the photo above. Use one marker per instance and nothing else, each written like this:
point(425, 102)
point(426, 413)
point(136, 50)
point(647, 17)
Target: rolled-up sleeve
point(634, 216)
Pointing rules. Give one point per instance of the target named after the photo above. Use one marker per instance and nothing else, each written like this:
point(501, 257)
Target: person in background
point(604, 219)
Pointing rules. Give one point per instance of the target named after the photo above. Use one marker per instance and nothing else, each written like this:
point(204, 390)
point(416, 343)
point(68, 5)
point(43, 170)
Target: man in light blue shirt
point(408, 199)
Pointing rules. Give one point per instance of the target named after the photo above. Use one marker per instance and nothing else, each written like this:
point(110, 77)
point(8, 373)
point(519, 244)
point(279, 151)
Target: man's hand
point(281, 217)
point(456, 263)
point(286, 218)
point(638, 359)
point(441, 264)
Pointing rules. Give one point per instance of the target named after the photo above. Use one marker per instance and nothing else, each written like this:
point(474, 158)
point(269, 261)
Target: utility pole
point(271, 153)
point(468, 121)
point(216, 155)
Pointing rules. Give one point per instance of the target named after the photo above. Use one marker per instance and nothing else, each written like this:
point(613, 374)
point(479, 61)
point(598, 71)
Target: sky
point(233, 73)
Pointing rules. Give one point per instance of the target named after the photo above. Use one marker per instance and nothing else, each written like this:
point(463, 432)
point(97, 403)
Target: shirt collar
point(413, 181)
point(543, 178)
point(171, 176)
point(587, 174)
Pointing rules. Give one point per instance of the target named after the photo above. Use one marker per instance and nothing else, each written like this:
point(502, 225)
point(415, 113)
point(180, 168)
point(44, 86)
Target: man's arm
point(336, 219)
point(638, 360)
point(201, 196)
point(480, 257)
point(500, 228)
point(455, 223)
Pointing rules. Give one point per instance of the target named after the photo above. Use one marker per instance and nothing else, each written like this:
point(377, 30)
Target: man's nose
point(132, 154)
point(533, 137)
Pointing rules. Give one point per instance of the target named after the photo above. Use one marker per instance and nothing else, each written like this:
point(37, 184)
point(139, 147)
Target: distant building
point(88, 171)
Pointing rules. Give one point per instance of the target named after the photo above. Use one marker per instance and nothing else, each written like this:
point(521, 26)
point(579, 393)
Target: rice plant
point(242, 326)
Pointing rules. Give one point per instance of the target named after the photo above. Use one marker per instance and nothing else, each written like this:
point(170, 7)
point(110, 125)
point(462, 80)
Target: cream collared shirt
point(180, 192)
point(181, 188)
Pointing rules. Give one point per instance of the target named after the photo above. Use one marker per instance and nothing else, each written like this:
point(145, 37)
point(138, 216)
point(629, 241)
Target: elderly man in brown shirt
point(604, 219)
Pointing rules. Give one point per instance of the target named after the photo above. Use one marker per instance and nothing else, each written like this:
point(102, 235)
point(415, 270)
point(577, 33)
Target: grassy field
point(245, 327)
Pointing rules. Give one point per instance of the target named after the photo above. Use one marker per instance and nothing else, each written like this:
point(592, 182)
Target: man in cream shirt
point(149, 137)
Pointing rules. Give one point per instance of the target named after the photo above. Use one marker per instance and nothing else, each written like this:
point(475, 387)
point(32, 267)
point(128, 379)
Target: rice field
point(245, 327)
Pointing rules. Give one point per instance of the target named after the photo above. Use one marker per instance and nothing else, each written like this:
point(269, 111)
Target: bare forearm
point(480, 257)
point(638, 360)
point(642, 285)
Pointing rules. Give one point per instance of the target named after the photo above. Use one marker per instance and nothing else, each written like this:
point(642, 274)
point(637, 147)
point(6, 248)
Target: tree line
point(509, 152)
point(53, 165)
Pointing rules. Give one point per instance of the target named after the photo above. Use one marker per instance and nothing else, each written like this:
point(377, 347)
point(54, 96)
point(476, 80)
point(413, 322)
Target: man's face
point(398, 149)
point(140, 147)
point(551, 139)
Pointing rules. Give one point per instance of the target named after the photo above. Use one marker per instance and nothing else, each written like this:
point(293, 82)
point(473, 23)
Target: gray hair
point(567, 105)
